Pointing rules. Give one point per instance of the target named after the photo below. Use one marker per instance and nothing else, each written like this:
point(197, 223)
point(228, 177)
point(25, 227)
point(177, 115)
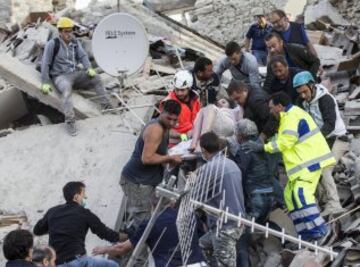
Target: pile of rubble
point(173, 46)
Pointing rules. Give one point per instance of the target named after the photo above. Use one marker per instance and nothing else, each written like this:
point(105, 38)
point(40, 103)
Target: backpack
point(55, 52)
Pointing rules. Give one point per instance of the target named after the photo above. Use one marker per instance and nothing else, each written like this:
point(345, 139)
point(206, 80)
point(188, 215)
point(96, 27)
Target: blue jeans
point(87, 261)
point(261, 57)
point(259, 207)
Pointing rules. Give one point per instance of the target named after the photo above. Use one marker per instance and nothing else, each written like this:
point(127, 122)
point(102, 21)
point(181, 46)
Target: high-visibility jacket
point(188, 112)
point(303, 147)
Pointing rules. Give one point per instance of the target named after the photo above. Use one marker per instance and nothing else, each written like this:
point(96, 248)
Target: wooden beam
point(146, 68)
point(163, 69)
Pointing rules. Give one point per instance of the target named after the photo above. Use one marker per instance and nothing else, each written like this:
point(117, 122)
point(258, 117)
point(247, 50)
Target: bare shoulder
point(153, 131)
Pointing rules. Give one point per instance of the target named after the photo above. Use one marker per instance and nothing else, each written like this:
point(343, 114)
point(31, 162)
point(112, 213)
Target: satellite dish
point(120, 44)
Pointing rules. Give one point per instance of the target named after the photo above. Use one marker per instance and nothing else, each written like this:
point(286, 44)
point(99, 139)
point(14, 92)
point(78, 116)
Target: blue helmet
point(302, 78)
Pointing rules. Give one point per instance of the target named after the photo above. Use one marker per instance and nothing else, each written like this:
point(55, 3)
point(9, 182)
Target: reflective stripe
point(309, 225)
point(304, 213)
point(290, 132)
point(275, 146)
point(200, 264)
point(309, 163)
point(308, 135)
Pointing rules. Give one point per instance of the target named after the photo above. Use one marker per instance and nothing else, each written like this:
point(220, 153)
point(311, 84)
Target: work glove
point(91, 72)
point(183, 137)
point(46, 88)
point(252, 146)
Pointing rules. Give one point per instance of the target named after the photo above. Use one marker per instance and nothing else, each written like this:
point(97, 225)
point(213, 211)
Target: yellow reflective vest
point(303, 147)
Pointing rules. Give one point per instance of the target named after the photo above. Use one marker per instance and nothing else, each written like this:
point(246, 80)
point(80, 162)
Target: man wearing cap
point(323, 108)
point(256, 34)
point(59, 66)
point(190, 106)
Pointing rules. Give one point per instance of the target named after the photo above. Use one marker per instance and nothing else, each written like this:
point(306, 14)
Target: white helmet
point(183, 79)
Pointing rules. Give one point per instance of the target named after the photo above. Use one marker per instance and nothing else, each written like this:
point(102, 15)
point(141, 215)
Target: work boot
point(71, 128)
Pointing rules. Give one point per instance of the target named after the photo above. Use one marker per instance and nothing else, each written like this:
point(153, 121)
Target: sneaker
point(71, 128)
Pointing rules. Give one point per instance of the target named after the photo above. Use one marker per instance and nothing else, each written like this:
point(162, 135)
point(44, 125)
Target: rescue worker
point(206, 82)
point(190, 106)
point(323, 108)
point(291, 32)
point(255, 106)
point(162, 240)
point(144, 170)
point(257, 181)
point(296, 55)
point(283, 78)
point(59, 66)
point(242, 65)
point(297, 135)
point(256, 35)
point(67, 226)
point(221, 242)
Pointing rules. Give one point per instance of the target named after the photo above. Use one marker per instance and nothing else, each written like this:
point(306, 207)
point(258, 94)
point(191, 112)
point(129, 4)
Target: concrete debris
point(329, 55)
point(12, 106)
point(27, 79)
point(325, 12)
point(99, 163)
point(307, 258)
point(169, 5)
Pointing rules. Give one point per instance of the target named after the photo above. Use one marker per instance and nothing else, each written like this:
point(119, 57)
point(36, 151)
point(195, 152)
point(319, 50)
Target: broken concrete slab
point(316, 37)
point(305, 257)
point(279, 217)
point(12, 106)
point(96, 156)
point(152, 84)
point(322, 11)
point(328, 55)
point(352, 107)
point(143, 107)
point(349, 64)
point(355, 93)
point(169, 5)
point(27, 79)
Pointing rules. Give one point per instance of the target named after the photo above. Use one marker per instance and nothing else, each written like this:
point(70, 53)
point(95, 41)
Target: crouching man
point(61, 57)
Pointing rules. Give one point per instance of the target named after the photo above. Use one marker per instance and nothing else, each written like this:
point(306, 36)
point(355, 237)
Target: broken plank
point(354, 93)
point(27, 79)
point(163, 69)
point(349, 64)
point(146, 68)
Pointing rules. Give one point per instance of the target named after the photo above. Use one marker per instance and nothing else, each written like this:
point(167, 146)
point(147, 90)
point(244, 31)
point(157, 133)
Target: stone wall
point(5, 11)
point(227, 20)
point(349, 9)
